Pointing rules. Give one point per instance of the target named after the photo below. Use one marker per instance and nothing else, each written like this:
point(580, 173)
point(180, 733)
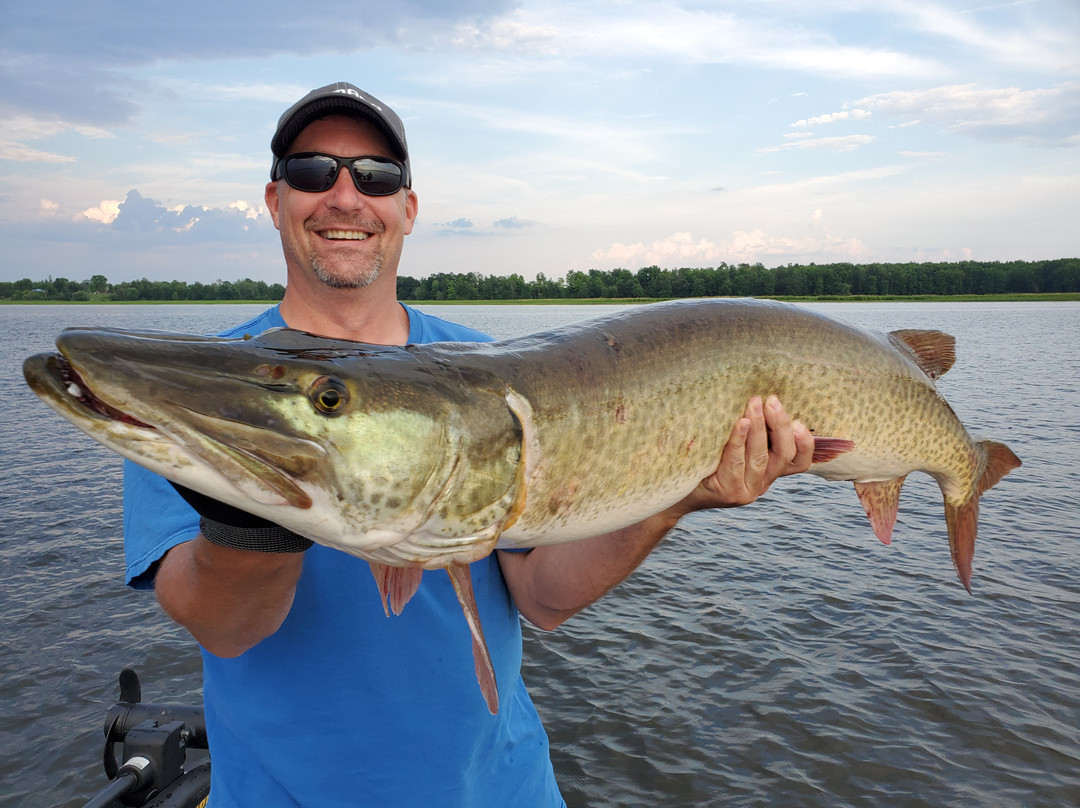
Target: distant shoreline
point(1003, 298)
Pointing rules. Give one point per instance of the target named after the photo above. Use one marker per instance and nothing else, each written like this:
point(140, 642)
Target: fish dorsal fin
point(935, 351)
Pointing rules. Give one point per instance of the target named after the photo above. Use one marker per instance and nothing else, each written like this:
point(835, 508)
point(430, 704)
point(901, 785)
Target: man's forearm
point(551, 584)
point(230, 600)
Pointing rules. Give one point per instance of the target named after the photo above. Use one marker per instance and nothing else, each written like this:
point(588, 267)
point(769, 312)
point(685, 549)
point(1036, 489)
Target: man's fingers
point(781, 438)
point(757, 442)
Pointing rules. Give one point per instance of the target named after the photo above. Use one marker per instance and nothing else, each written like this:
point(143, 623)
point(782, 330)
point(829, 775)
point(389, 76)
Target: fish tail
point(962, 518)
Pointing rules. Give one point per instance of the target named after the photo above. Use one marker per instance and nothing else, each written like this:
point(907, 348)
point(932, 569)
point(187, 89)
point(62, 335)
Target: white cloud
point(1049, 114)
point(844, 143)
point(105, 213)
point(744, 246)
point(20, 153)
point(833, 117)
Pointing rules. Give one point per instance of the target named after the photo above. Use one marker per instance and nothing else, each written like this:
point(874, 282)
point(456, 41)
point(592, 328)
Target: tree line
point(739, 280)
point(98, 288)
point(754, 280)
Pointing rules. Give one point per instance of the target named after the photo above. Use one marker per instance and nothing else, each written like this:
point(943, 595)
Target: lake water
point(775, 654)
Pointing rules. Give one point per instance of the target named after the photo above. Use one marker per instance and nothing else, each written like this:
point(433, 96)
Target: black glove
point(231, 527)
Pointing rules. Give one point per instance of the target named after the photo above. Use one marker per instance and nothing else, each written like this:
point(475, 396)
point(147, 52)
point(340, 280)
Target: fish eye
point(329, 395)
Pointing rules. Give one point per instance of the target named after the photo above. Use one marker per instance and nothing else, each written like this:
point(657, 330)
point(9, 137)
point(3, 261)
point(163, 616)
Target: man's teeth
point(356, 235)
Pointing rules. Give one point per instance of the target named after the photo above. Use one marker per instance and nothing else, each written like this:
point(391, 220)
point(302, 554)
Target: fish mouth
point(77, 388)
point(256, 461)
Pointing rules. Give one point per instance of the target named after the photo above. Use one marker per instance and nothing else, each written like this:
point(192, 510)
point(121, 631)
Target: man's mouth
point(344, 235)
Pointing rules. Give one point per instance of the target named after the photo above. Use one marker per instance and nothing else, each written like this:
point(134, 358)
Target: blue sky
point(550, 136)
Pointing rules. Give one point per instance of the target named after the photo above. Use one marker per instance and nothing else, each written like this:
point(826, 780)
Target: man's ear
point(272, 200)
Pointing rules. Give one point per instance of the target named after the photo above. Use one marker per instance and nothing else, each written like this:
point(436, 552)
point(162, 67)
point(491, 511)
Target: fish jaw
point(394, 474)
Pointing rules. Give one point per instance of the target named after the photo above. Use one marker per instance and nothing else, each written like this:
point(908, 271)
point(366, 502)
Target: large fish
point(430, 456)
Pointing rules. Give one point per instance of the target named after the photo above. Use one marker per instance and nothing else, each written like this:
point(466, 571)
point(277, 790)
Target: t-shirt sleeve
point(156, 519)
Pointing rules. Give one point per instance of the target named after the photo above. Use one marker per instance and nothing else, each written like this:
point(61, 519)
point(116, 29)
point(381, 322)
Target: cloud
point(105, 213)
point(684, 33)
point(514, 223)
point(148, 221)
point(1048, 116)
point(833, 117)
point(845, 143)
point(20, 153)
point(75, 61)
point(682, 249)
point(460, 223)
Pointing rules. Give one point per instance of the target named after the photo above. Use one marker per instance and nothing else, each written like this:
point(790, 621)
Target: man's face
point(340, 236)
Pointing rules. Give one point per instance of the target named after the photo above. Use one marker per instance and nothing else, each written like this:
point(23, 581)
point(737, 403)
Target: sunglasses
point(315, 172)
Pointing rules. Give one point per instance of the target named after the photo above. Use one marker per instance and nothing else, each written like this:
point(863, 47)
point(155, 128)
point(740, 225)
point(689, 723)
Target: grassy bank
point(1005, 298)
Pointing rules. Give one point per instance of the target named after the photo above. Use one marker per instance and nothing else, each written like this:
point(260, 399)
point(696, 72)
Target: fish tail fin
point(962, 518)
point(396, 585)
point(881, 500)
point(461, 578)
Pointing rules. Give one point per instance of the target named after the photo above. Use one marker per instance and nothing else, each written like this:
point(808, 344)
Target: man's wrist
point(268, 538)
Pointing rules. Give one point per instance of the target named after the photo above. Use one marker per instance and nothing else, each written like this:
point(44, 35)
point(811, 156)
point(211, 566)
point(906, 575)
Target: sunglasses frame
point(280, 172)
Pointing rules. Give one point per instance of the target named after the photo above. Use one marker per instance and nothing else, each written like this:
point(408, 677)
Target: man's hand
point(764, 445)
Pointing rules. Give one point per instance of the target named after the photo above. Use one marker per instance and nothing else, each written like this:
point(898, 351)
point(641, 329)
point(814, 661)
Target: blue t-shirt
point(344, 706)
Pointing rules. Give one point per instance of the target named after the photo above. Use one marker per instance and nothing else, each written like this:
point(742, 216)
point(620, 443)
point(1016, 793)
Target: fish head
point(352, 445)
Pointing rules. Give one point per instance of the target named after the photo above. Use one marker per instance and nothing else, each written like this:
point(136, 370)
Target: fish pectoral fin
point(881, 500)
point(461, 578)
point(826, 449)
point(935, 351)
point(396, 584)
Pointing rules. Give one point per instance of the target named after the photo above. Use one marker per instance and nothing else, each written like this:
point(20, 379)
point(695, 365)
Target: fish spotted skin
point(431, 456)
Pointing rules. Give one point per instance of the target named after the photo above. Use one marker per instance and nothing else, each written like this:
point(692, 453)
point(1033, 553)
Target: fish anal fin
point(881, 500)
point(935, 351)
point(396, 585)
point(826, 449)
point(461, 578)
point(962, 518)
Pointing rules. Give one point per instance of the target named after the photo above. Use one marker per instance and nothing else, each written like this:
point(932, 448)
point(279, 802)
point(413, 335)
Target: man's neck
point(364, 315)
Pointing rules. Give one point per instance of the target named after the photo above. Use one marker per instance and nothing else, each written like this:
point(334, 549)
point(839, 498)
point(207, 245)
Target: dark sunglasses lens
point(312, 173)
point(376, 177)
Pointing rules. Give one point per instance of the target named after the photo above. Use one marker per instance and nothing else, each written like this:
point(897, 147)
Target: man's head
point(342, 222)
point(340, 98)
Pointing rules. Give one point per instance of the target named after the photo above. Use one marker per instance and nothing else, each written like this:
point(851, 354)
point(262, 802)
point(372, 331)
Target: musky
point(550, 136)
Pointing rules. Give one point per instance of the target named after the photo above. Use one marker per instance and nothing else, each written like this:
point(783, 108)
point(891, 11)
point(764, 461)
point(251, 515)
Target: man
point(313, 697)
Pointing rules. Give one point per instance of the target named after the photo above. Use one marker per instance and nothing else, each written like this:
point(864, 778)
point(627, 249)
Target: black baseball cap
point(340, 98)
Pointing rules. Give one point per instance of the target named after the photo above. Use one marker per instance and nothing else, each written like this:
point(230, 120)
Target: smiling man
point(313, 696)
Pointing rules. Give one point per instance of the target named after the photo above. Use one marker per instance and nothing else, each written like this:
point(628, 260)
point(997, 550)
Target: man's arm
point(230, 600)
point(551, 583)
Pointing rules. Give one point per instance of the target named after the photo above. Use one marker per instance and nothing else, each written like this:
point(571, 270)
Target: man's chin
point(346, 277)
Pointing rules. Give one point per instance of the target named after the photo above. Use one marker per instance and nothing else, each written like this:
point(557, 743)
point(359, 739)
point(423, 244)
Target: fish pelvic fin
point(396, 585)
point(935, 351)
point(461, 578)
point(881, 500)
point(962, 518)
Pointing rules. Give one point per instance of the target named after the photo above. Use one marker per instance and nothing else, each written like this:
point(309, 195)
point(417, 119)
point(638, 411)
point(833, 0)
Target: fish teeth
point(74, 390)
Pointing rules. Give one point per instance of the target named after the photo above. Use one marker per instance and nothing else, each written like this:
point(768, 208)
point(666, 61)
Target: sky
point(547, 137)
